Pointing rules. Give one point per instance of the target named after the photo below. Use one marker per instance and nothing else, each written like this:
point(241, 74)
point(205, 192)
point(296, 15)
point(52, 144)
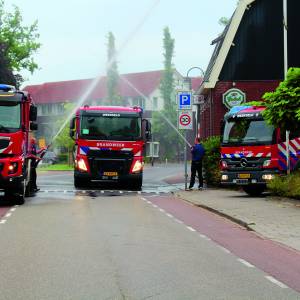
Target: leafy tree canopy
point(18, 42)
point(112, 72)
point(283, 105)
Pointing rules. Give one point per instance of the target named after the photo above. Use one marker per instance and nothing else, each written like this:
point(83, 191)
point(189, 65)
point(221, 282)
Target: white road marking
point(154, 205)
point(224, 249)
point(7, 215)
point(179, 221)
point(190, 228)
point(144, 199)
point(162, 210)
point(2, 221)
point(204, 237)
point(277, 282)
point(169, 215)
point(13, 209)
point(244, 262)
point(139, 192)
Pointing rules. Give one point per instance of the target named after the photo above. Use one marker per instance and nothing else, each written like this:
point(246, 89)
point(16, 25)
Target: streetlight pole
point(189, 81)
point(190, 87)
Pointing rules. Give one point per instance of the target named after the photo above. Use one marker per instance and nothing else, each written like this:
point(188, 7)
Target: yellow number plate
point(244, 176)
point(110, 173)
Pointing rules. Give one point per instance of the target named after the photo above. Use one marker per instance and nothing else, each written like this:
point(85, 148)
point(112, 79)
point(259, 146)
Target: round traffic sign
point(185, 120)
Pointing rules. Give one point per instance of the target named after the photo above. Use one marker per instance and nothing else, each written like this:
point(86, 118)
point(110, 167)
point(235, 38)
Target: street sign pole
point(185, 163)
point(185, 121)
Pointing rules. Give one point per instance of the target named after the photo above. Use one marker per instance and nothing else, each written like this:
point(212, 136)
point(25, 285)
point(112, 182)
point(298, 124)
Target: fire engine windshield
point(110, 128)
point(10, 116)
point(247, 132)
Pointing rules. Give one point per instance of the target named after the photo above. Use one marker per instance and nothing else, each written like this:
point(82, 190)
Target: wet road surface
point(119, 244)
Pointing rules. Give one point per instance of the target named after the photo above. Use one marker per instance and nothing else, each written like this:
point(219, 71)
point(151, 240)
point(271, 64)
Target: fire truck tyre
point(80, 182)
point(137, 184)
point(253, 190)
point(20, 194)
point(28, 189)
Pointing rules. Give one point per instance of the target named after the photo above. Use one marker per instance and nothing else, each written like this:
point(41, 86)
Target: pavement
point(277, 219)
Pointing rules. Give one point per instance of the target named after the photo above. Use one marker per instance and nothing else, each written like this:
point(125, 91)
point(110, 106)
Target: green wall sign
point(233, 97)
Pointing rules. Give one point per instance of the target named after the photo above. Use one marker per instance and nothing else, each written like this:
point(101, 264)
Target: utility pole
point(285, 46)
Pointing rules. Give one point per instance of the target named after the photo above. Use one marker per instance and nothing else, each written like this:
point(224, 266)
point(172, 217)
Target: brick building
point(141, 89)
point(248, 59)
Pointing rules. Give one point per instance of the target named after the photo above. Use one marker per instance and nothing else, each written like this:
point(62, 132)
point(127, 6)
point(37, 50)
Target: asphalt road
point(112, 244)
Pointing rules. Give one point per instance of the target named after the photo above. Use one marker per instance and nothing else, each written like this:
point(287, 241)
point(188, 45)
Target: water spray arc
point(150, 100)
point(95, 81)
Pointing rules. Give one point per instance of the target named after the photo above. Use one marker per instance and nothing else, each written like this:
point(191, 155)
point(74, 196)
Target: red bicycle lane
point(275, 259)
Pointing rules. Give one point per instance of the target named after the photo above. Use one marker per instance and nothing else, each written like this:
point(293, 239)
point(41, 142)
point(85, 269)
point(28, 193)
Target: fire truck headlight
point(224, 177)
point(268, 177)
point(81, 165)
point(267, 163)
point(13, 168)
point(137, 166)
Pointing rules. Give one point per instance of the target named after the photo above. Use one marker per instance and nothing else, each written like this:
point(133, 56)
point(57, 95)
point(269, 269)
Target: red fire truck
point(17, 114)
point(252, 152)
point(109, 145)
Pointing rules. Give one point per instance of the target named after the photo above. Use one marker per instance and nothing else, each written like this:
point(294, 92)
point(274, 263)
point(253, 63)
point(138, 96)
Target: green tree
point(63, 140)
point(170, 142)
point(224, 21)
point(283, 105)
point(167, 81)
point(6, 74)
point(112, 73)
point(19, 42)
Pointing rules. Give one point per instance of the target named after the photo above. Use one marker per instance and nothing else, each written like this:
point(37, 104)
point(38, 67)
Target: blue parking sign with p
point(184, 100)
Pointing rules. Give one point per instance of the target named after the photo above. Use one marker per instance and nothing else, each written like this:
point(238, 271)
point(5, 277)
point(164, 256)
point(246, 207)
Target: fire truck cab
point(109, 145)
point(17, 116)
point(252, 152)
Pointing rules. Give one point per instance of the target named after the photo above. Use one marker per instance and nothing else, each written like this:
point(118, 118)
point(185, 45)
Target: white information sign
point(185, 120)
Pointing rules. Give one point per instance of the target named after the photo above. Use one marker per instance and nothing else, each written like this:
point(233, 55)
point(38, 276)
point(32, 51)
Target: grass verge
point(56, 167)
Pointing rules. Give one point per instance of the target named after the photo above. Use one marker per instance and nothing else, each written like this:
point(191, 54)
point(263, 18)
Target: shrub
point(286, 186)
point(211, 160)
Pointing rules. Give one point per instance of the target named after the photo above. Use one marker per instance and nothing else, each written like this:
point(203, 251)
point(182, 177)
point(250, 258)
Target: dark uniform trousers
point(196, 167)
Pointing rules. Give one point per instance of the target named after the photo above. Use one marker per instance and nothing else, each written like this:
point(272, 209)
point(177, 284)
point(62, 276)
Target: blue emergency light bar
point(7, 88)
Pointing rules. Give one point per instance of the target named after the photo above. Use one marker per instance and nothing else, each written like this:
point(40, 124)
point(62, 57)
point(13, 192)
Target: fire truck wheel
point(253, 190)
point(81, 182)
point(20, 194)
point(137, 184)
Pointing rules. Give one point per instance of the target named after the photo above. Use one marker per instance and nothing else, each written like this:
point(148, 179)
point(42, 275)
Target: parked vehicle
point(252, 152)
point(109, 145)
point(50, 158)
point(17, 116)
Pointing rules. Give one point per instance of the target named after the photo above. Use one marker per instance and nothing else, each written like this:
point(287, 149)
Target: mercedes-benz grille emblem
point(244, 162)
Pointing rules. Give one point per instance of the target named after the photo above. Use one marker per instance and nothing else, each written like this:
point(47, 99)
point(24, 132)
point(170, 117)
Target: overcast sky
point(74, 34)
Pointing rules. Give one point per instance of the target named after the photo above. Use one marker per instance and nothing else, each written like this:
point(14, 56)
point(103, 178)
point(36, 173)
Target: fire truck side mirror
point(146, 126)
point(33, 126)
point(72, 128)
point(33, 113)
